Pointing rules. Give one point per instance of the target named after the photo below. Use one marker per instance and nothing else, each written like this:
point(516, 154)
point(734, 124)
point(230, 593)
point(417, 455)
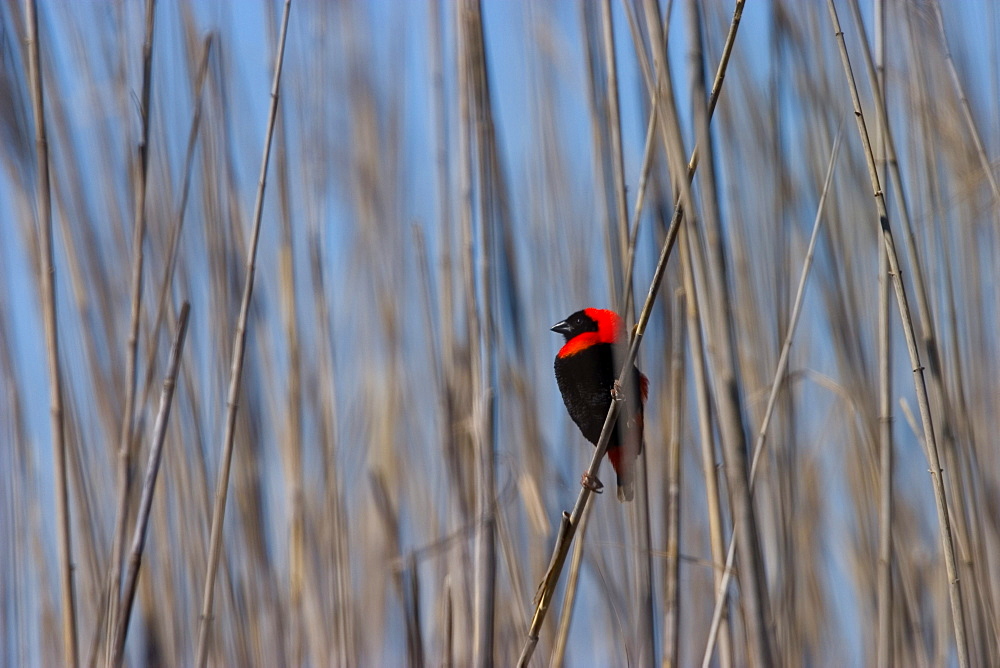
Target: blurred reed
point(447, 180)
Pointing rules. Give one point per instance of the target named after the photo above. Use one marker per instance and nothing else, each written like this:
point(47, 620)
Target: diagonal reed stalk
point(239, 349)
point(643, 611)
point(148, 487)
point(967, 110)
point(920, 384)
point(780, 374)
point(671, 233)
point(43, 202)
point(138, 258)
point(571, 521)
point(173, 245)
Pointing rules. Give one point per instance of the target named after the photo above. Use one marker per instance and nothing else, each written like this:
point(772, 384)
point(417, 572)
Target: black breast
point(585, 381)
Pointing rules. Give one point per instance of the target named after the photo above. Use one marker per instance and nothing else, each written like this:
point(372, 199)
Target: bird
point(586, 369)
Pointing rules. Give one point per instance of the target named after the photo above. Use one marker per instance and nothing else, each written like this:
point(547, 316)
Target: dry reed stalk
point(125, 439)
point(148, 487)
point(975, 553)
point(929, 337)
point(239, 348)
point(703, 400)
point(292, 443)
point(780, 376)
point(619, 222)
point(929, 438)
point(694, 333)
point(170, 264)
point(478, 286)
point(339, 591)
point(643, 610)
point(569, 595)
point(47, 271)
point(970, 121)
point(884, 655)
point(671, 588)
point(885, 552)
point(599, 108)
point(719, 325)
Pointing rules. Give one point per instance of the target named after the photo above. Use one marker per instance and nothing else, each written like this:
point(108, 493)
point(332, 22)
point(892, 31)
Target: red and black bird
point(587, 368)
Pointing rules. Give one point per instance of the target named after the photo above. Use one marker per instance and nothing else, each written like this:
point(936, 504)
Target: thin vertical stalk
point(449, 627)
point(138, 258)
point(643, 607)
point(671, 595)
point(930, 441)
point(43, 202)
point(640, 200)
point(466, 254)
point(448, 238)
point(693, 317)
point(149, 486)
point(239, 349)
point(728, 387)
point(887, 151)
point(333, 504)
point(477, 269)
point(443, 167)
point(884, 650)
point(620, 221)
point(291, 444)
point(884, 567)
point(598, 84)
point(779, 376)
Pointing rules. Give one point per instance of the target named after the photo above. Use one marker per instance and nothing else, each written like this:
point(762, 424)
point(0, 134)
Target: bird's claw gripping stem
point(616, 391)
point(592, 483)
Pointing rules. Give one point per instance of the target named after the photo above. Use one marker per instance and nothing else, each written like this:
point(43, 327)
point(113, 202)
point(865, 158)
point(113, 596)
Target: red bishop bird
point(587, 369)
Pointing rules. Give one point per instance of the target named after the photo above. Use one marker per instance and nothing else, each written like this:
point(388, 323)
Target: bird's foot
point(591, 482)
point(616, 391)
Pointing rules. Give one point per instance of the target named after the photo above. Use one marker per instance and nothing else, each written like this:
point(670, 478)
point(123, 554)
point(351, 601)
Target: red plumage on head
point(610, 329)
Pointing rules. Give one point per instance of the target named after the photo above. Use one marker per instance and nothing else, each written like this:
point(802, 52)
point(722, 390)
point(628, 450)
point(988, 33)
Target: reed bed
point(276, 365)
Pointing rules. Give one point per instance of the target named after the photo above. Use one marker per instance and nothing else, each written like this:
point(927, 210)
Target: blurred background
point(447, 181)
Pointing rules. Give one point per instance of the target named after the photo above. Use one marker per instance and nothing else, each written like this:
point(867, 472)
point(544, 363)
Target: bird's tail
point(624, 464)
point(626, 487)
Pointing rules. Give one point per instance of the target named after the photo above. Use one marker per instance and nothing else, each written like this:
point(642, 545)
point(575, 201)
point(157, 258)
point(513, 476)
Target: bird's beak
point(561, 328)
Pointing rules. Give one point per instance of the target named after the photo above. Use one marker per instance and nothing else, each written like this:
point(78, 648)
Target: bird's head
point(595, 324)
